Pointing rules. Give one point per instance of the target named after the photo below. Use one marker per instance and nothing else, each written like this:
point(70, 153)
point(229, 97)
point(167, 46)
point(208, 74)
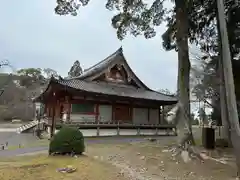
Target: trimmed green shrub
point(67, 141)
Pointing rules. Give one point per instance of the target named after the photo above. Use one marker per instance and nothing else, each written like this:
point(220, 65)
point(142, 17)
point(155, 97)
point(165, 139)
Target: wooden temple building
point(107, 93)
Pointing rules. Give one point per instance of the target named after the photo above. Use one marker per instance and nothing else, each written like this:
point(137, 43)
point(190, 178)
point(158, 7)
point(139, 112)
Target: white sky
point(32, 35)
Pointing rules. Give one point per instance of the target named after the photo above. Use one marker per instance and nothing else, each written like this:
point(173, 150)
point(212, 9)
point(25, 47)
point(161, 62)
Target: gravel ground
point(15, 139)
point(153, 161)
point(136, 158)
point(11, 125)
point(89, 141)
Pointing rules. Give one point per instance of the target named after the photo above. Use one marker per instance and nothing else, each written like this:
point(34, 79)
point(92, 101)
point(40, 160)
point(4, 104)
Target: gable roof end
point(115, 58)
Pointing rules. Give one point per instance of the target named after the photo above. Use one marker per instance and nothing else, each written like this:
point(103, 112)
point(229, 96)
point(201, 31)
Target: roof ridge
point(118, 51)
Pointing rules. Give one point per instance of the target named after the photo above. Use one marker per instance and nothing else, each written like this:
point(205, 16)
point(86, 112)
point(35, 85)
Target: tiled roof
point(101, 65)
point(84, 82)
point(116, 57)
point(116, 90)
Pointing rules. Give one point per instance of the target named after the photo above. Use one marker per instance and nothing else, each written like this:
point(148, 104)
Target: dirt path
point(149, 161)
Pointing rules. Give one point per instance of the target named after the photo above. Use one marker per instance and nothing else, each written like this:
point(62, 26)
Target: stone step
point(28, 126)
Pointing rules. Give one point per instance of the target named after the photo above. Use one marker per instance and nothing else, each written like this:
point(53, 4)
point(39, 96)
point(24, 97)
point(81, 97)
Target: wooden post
point(167, 131)
point(98, 129)
point(57, 109)
point(131, 112)
point(53, 122)
point(68, 108)
point(113, 112)
point(159, 115)
point(148, 115)
point(163, 115)
point(118, 129)
point(53, 116)
point(138, 131)
point(97, 113)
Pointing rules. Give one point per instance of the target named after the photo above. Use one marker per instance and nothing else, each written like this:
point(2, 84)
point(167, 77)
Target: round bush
point(67, 141)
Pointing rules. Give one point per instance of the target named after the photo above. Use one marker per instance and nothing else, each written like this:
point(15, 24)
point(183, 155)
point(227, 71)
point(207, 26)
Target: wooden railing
point(121, 128)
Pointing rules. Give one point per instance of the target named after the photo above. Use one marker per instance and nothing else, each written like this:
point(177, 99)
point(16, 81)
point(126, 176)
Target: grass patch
point(198, 141)
point(43, 167)
point(38, 143)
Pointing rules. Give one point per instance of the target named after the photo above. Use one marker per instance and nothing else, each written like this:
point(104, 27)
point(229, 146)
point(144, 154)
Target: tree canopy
point(75, 70)
point(142, 18)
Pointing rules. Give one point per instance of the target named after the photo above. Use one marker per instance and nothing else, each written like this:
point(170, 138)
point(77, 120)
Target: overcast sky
point(32, 35)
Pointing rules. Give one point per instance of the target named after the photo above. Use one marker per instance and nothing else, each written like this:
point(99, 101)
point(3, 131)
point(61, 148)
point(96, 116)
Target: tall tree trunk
point(226, 134)
point(223, 103)
point(229, 84)
point(183, 121)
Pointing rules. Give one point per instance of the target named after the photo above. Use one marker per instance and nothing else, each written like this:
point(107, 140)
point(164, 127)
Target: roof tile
point(116, 89)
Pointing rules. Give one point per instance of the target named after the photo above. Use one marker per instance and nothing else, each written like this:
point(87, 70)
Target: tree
point(16, 106)
point(229, 88)
point(50, 73)
point(36, 73)
point(206, 75)
point(36, 76)
point(76, 70)
point(202, 115)
point(5, 81)
point(215, 47)
point(29, 76)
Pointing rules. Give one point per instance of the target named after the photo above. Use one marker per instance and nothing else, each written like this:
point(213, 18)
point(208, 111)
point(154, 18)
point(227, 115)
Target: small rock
point(160, 165)
point(121, 173)
point(144, 170)
point(68, 169)
point(138, 153)
point(165, 150)
point(152, 139)
point(95, 157)
point(185, 156)
point(191, 173)
point(110, 158)
point(204, 156)
point(142, 157)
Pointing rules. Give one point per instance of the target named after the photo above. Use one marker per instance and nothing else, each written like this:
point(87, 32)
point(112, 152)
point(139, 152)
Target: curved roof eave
point(50, 81)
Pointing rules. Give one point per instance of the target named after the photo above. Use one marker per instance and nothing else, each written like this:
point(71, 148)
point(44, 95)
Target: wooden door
point(122, 113)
